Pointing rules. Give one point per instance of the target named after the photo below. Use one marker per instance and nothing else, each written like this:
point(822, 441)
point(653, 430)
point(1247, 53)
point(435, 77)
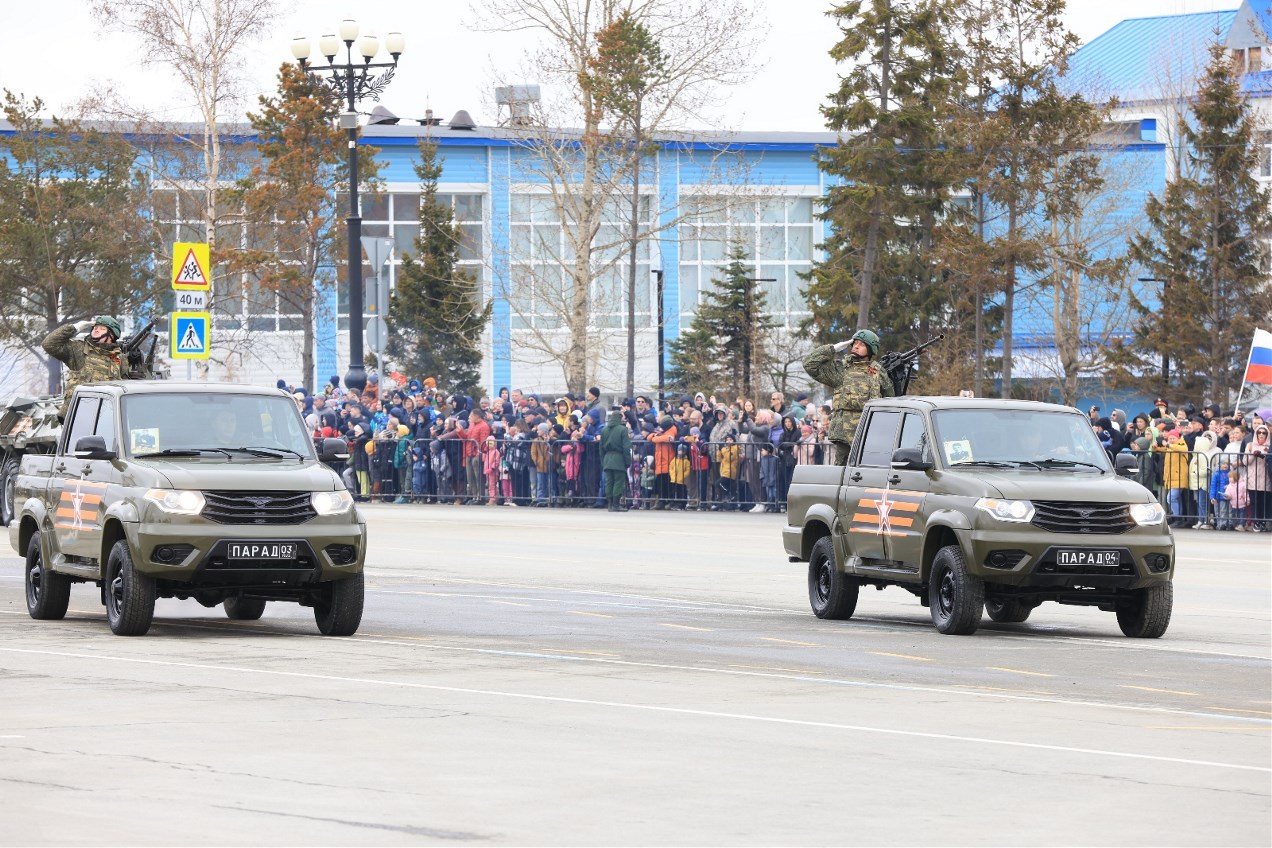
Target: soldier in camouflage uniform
point(90, 360)
point(854, 381)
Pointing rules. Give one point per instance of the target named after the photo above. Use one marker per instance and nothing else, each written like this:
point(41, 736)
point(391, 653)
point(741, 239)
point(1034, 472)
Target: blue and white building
point(765, 197)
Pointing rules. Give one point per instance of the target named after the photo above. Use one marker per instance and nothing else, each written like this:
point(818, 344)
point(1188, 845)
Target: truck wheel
point(47, 593)
point(8, 490)
point(957, 598)
point(1007, 610)
point(831, 593)
point(130, 595)
point(339, 610)
point(244, 609)
point(1145, 613)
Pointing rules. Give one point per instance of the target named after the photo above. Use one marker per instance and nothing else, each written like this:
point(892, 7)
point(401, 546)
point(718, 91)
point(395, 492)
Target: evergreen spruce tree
point(892, 171)
point(736, 316)
point(694, 361)
point(436, 317)
point(1206, 243)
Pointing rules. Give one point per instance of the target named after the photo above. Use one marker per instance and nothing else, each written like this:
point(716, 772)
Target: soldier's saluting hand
point(853, 382)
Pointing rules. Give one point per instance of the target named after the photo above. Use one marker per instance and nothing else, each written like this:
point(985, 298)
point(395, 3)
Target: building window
point(777, 233)
point(1264, 140)
point(541, 253)
point(395, 215)
point(1254, 60)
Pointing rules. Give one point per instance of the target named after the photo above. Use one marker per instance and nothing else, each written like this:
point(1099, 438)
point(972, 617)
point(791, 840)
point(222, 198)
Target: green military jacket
point(88, 362)
point(853, 381)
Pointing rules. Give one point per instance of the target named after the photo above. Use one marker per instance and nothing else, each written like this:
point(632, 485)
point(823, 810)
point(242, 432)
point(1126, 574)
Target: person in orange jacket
point(664, 452)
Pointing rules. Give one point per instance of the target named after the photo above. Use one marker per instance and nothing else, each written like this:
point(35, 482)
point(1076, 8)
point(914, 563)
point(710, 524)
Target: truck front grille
point(258, 507)
point(1079, 517)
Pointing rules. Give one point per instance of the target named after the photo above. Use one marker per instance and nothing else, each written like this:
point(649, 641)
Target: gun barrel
point(135, 340)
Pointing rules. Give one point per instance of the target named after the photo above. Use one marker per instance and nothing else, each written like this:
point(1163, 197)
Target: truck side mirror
point(1125, 465)
point(333, 450)
point(909, 459)
point(92, 447)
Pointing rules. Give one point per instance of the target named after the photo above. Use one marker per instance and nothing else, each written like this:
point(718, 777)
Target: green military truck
point(977, 505)
point(191, 491)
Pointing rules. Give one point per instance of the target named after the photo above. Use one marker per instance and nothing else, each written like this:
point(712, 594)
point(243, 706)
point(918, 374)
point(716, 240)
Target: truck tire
point(1145, 613)
point(956, 598)
point(130, 595)
point(831, 593)
point(239, 608)
point(339, 610)
point(48, 594)
point(1007, 610)
point(8, 490)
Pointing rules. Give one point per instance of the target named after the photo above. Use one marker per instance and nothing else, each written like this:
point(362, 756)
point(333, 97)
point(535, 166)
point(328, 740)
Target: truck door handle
point(856, 476)
point(895, 478)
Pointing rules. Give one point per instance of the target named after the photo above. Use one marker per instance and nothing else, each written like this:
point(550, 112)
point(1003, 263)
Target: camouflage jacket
point(853, 382)
point(87, 361)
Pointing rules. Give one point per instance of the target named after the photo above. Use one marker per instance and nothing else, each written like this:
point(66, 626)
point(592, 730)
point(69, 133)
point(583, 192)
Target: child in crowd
point(490, 458)
point(679, 474)
point(442, 471)
point(421, 473)
point(647, 483)
point(728, 460)
point(769, 474)
point(1238, 499)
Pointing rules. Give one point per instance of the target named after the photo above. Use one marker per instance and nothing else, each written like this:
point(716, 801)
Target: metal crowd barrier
point(709, 476)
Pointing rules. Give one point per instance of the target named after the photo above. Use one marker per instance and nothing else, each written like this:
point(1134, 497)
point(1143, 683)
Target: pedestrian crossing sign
point(190, 335)
point(191, 270)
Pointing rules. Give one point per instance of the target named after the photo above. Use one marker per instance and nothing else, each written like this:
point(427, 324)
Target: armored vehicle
point(982, 505)
point(192, 491)
point(27, 425)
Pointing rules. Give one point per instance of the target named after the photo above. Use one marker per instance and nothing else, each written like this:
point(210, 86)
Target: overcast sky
point(447, 66)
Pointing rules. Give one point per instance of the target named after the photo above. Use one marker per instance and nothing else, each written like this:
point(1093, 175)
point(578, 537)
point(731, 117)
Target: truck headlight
point(1017, 511)
point(331, 503)
point(177, 501)
point(1147, 513)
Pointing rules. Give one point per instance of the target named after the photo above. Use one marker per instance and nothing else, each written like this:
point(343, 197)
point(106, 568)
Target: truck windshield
point(1023, 438)
point(215, 423)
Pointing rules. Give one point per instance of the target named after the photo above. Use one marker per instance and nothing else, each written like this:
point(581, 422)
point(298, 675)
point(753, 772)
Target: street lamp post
point(1165, 355)
point(352, 81)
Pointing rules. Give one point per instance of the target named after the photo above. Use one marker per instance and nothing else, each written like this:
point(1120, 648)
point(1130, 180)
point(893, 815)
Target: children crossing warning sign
point(190, 335)
point(191, 270)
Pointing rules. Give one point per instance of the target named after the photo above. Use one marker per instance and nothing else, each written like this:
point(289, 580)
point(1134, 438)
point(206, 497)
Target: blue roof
point(1141, 59)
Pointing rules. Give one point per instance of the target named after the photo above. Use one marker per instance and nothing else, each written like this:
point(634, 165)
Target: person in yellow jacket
point(679, 473)
point(728, 459)
point(1175, 478)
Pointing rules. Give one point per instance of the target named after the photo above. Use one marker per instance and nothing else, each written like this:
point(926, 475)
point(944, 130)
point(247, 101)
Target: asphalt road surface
point(528, 676)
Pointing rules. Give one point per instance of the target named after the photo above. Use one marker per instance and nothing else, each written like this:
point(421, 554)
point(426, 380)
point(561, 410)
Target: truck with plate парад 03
point(982, 506)
point(203, 491)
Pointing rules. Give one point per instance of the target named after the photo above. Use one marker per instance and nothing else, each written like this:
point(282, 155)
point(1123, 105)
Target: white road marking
point(863, 622)
point(567, 655)
point(684, 711)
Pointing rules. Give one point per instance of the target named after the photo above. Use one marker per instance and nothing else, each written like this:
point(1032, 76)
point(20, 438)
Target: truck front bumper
point(211, 554)
point(1030, 557)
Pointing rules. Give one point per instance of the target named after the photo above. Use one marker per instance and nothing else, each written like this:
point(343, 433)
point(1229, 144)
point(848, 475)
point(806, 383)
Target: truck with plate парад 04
point(203, 491)
point(978, 505)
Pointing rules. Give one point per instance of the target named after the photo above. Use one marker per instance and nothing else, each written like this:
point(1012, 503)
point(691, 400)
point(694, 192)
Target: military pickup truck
point(203, 491)
point(981, 505)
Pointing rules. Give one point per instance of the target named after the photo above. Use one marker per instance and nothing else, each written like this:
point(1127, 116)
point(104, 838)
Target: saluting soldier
point(853, 381)
point(90, 360)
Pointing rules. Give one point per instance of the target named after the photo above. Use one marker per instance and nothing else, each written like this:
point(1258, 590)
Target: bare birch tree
point(202, 43)
point(586, 171)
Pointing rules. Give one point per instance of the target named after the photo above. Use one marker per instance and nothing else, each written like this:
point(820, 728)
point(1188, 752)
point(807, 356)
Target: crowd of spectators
point(1212, 471)
point(411, 442)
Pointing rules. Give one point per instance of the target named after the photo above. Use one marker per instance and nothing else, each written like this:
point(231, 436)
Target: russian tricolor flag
point(1259, 367)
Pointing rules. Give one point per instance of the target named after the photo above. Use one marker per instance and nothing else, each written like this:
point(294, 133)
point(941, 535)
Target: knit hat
point(695, 431)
